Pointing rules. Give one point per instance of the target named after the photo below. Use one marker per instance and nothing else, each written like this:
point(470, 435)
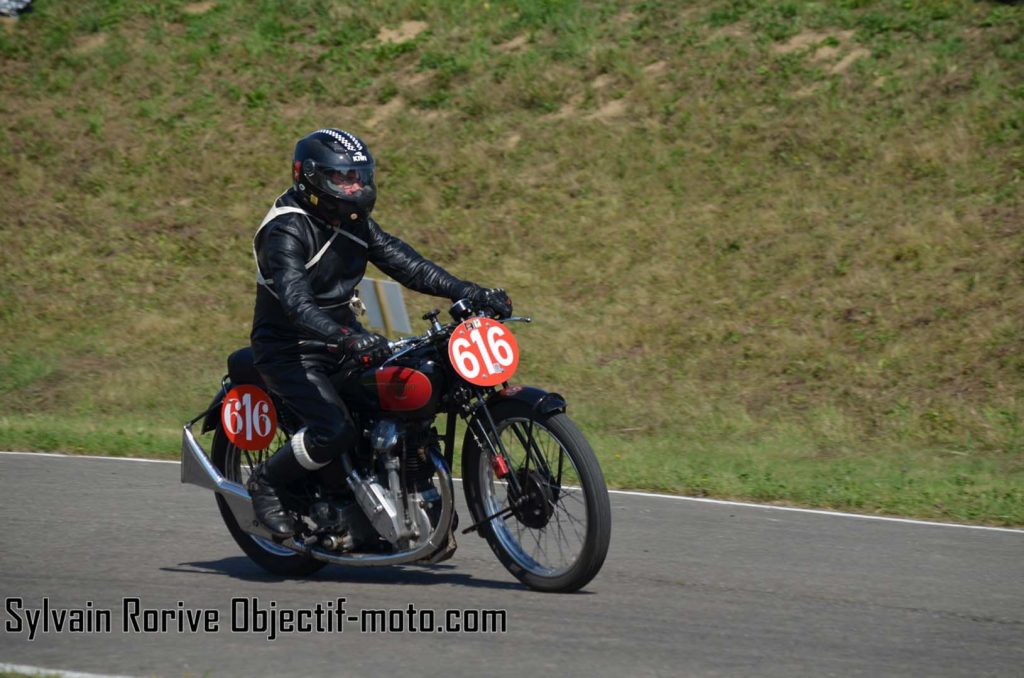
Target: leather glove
point(494, 300)
point(368, 348)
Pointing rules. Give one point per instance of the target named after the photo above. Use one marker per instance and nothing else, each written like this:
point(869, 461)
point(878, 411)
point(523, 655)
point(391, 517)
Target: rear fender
point(212, 417)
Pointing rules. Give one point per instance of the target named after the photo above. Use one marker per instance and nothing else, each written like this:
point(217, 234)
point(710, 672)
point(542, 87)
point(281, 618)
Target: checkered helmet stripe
point(350, 142)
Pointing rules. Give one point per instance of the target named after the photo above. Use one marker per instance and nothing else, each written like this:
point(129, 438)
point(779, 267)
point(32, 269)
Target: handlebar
point(400, 347)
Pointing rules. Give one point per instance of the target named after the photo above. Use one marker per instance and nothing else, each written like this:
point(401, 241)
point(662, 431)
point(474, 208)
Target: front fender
point(539, 400)
point(541, 403)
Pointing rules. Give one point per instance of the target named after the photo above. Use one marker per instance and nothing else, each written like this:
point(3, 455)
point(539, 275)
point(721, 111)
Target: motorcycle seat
point(242, 370)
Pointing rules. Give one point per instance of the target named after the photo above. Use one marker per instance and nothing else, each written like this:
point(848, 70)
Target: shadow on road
point(240, 567)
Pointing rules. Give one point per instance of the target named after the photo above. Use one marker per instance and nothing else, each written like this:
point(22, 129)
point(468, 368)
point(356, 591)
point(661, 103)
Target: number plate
point(249, 417)
point(483, 352)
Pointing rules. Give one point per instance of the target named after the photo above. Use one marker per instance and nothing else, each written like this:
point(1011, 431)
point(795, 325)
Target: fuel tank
point(410, 390)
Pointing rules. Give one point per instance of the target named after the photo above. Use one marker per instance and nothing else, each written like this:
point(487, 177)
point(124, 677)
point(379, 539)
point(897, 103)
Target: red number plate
point(483, 352)
point(249, 417)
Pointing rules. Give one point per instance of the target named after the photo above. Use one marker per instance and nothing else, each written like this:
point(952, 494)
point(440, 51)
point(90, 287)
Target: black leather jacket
point(308, 271)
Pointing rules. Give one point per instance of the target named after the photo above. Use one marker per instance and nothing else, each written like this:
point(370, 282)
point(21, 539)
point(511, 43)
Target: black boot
point(281, 469)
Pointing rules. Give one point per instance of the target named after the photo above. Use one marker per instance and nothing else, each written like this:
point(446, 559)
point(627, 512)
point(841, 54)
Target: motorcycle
point(533, 485)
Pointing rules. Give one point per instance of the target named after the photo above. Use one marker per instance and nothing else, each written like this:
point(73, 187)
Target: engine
point(394, 488)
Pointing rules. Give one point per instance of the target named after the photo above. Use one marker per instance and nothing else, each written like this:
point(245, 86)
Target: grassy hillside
point(775, 250)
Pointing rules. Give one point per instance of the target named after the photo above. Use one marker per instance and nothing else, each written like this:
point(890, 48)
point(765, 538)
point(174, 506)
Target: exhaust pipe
point(438, 538)
point(197, 469)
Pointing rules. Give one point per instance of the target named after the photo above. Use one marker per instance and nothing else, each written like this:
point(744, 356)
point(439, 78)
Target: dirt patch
point(434, 115)
point(798, 42)
point(825, 53)
point(625, 17)
point(847, 61)
point(808, 38)
point(340, 12)
point(197, 8)
point(805, 92)
point(602, 81)
point(89, 43)
point(516, 44)
point(691, 13)
point(611, 110)
point(569, 108)
point(732, 31)
point(657, 68)
point(414, 79)
point(813, 43)
point(386, 111)
point(512, 141)
point(408, 30)
point(296, 109)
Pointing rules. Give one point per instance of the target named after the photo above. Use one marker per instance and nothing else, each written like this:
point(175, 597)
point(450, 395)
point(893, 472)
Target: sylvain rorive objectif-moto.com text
point(247, 615)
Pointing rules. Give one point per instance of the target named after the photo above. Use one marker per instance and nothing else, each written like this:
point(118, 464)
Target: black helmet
point(334, 172)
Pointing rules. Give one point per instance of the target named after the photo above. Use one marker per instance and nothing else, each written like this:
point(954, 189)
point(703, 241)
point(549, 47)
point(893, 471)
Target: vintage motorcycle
point(532, 483)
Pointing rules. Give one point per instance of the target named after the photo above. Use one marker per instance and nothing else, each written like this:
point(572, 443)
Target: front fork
point(485, 432)
point(499, 456)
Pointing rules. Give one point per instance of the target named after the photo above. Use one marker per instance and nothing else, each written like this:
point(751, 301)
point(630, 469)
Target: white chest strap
point(278, 211)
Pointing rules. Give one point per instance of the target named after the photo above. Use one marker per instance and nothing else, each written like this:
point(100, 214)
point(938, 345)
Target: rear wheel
point(274, 558)
point(552, 521)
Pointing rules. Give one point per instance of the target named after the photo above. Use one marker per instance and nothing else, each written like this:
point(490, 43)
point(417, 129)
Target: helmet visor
point(344, 181)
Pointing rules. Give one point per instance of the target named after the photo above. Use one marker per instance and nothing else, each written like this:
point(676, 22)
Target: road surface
point(689, 589)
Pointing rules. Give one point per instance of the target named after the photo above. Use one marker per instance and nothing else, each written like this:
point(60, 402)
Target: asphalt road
point(689, 589)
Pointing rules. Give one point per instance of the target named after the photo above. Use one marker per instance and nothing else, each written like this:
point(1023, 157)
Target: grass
point(775, 250)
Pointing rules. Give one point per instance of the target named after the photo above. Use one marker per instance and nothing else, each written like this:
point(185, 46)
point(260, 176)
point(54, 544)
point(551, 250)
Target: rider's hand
point(368, 348)
point(494, 300)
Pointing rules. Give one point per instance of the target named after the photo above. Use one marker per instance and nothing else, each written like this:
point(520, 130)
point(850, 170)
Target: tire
point(571, 508)
point(273, 558)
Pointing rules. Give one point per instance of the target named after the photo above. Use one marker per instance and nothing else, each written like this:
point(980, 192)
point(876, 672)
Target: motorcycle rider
point(311, 251)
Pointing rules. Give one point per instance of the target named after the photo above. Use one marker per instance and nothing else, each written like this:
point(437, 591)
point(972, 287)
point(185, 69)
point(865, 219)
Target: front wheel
point(234, 463)
point(551, 517)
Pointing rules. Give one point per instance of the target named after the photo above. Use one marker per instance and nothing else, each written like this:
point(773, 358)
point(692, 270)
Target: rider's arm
point(282, 255)
point(410, 268)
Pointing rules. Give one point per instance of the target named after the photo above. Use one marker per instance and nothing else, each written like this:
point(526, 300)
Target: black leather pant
point(303, 383)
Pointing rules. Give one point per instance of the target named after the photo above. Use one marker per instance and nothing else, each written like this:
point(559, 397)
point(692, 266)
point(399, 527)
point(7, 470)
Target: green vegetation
point(775, 250)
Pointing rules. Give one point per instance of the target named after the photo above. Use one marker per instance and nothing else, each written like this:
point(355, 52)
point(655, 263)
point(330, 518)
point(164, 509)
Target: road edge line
point(631, 493)
point(40, 671)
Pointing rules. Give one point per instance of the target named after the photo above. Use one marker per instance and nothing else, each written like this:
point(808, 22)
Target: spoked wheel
point(274, 558)
point(552, 519)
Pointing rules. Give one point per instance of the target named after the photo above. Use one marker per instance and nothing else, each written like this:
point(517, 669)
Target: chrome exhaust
point(197, 469)
point(438, 537)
